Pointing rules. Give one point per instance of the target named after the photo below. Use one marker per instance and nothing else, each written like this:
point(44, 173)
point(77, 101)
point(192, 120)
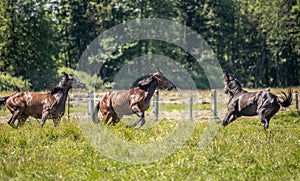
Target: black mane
point(56, 89)
point(234, 86)
point(137, 83)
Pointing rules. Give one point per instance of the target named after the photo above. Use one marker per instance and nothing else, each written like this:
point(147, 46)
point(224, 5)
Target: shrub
point(91, 82)
point(10, 83)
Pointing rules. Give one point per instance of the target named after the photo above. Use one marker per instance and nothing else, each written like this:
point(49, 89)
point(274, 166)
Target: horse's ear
point(159, 72)
point(64, 74)
point(226, 76)
point(232, 76)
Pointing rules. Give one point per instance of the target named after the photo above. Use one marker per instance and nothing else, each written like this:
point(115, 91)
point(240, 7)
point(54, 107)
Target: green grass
point(172, 107)
point(241, 151)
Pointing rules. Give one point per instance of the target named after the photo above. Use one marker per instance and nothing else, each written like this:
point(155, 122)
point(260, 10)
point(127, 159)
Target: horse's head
point(231, 84)
point(68, 81)
point(162, 81)
point(229, 77)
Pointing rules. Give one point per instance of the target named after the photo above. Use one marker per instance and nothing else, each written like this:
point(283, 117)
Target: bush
point(91, 82)
point(10, 83)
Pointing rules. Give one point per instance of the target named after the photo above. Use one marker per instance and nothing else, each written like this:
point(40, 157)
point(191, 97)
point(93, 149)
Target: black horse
point(243, 103)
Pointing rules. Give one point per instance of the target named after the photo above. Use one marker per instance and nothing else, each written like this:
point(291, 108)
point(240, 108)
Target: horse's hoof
point(13, 126)
point(265, 126)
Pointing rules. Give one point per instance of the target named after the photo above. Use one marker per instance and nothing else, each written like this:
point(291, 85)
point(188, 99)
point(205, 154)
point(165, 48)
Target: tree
point(28, 47)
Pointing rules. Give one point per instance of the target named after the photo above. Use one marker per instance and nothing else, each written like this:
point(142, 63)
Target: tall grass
point(241, 151)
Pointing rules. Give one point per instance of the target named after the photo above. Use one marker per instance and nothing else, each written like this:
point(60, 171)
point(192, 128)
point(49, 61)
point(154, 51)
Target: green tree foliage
point(10, 83)
point(27, 45)
point(259, 39)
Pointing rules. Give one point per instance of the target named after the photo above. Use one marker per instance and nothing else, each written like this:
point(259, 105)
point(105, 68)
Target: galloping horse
point(117, 103)
point(41, 105)
point(243, 103)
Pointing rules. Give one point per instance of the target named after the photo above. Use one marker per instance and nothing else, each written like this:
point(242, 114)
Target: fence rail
point(157, 101)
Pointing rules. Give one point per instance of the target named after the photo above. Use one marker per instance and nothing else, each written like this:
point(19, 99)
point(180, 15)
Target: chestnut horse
point(117, 103)
point(244, 103)
point(41, 105)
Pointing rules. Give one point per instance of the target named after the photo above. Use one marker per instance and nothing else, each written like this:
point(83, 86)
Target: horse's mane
point(144, 84)
point(236, 86)
point(55, 89)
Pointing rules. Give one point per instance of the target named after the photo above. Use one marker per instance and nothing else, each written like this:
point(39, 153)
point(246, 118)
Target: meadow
point(241, 151)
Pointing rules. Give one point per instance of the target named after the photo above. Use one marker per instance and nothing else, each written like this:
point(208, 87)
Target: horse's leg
point(226, 120)
point(234, 117)
point(263, 119)
point(230, 119)
point(143, 121)
point(56, 121)
point(268, 117)
point(273, 112)
point(106, 117)
point(140, 114)
point(115, 119)
point(44, 117)
point(22, 119)
point(15, 115)
point(12, 119)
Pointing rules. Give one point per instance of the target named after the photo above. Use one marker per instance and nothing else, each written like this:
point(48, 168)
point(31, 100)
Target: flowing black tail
point(95, 113)
point(286, 98)
point(3, 101)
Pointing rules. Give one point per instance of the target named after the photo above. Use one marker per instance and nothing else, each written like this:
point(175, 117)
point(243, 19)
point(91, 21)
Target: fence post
point(214, 103)
point(90, 104)
point(156, 105)
point(68, 108)
point(191, 108)
point(297, 103)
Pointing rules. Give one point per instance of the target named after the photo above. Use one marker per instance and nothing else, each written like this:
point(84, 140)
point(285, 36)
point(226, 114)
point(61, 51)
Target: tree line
point(259, 41)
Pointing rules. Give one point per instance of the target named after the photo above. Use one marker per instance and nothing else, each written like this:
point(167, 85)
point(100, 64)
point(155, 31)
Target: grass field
point(241, 151)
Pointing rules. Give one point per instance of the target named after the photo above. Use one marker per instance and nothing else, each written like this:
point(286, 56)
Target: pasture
point(241, 151)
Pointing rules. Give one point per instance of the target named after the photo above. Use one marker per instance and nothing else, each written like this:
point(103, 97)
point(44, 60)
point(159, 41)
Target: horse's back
point(31, 102)
point(267, 99)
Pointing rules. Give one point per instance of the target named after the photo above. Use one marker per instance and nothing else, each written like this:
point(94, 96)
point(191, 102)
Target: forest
point(257, 40)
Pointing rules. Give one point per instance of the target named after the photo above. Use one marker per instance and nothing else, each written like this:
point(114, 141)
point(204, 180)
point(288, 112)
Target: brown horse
point(41, 105)
point(243, 103)
point(117, 103)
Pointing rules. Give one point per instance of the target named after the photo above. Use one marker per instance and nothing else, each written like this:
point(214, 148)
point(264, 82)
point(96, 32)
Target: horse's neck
point(150, 90)
point(237, 89)
point(61, 98)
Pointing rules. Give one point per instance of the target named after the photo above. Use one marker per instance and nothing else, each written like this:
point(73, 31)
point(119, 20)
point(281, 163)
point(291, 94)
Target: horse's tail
point(287, 98)
point(3, 100)
point(95, 113)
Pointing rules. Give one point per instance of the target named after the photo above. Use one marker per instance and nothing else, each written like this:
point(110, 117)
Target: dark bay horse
point(41, 105)
point(243, 103)
point(117, 103)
